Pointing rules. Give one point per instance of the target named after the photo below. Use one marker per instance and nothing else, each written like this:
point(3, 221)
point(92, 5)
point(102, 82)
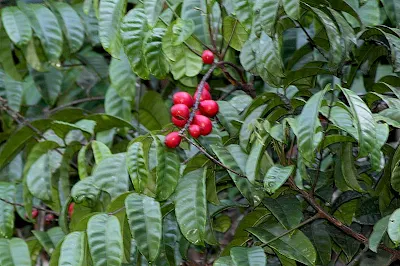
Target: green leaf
point(392, 8)
point(144, 216)
point(72, 250)
point(181, 30)
point(123, 80)
point(322, 241)
point(295, 246)
point(243, 10)
point(73, 28)
point(167, 171)
point(105, 240)
point(286, 209)
point(110, 16)
point(7, 191)
point(46, 27)
point(39, 178)
point(137, 167)
point(50, 239)
point(153, 113)
point(152, 9)
point(14, 252)
point(134, 32)
point(234, 32)
point(6, 56)
point(253, 194)
point(266, 15)
point(16, 25)
point(195, 10)
point(156, 60)
point(308, 122)
point(276, 177)
point(292, 8)
point(223, 261)
point(348, 169)
point(253, 163)
point(376, 236)
point(117, 106)
point(364, 120)
point(82, 163)
point(248, 123)
point(48, 83)
point(222, 223)
point(394, 227)
point(100, 151)
point(253, 256)
point(191, 206)
point(14, 91)
point(105, 122)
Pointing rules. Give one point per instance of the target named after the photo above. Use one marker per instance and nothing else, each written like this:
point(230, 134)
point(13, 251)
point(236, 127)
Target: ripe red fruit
point(35, 213)
point(209, 108)
point(194, 131)
point(208, 57)
point(178, 122)
point(71, 209)
point(172, 140)
point(205, 95)
point(204, 123)
point(183, 98)
point(206, 86)
point(49, 218)
point(180, 111)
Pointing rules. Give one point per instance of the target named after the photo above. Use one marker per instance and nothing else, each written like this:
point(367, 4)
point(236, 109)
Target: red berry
point(209, 108)
point(180, 111)
point(178, 122)
point(35, 213)
point(205, 95)
point(194, 131)
point(49, 218)
point(197, 113)
point(71, 209)
point(206, 86)
point(183, 98)
point(208, 57)
point(204, 123)
point(172, 140)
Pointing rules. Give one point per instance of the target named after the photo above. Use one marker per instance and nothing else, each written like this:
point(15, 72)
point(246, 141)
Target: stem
point(89, 99)
point(33, 207)
point(309, 220)
point(229, 40)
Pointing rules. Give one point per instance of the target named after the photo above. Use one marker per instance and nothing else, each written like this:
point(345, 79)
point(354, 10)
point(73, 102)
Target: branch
point(33, 207)
point(89, 99)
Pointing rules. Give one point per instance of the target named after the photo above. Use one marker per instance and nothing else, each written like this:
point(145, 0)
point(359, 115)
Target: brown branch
point(33, 207)
point(89, 99)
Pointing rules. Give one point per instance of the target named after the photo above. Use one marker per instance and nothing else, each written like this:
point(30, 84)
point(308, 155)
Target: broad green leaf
point(276, 177)
point(348, 169)
point(376, 236)
point(362, 116)
point(319, 236)
point(253, 256)
point(266, 15)
point(111, 175)
point(152, 9)
point(123, 80)
point(137, 167)
point(286, 209)
point(308, 123)
point(16, 25)
point(223, 261)
point(243, 10)
point(6, 56)
point(394, 227)
point(100, 151)
point(82, 163)
point(295, 246)
point(85, 190)
point(134, 33)
point(105, 240)
point(46, 27)
point(105, 122)
point(234, 33)
point(50, 239)
point(72, 250)
point(156, 60)
point(254, 160)
point(7, 191)
point(226, 115)
point(181, 30)
point(252, 193)
point(222, 223)
point(110, 17)
point(14, 91)
point(144, 216)
point(195, 10)
point(48, 84)
point(167, 171)
point(73, 28)
point(292, 8)
point(191, 206)
point(392, 8)
point(117, 106)
point(14, 252)
point(247, 54)
point(247, 126)
point(39, 178)
point(153, 113)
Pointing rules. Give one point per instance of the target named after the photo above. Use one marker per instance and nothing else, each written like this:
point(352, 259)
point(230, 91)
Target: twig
point(89, 99)
point(117, 211)
point(33, 207)
point(311, 41)
point(309, 220)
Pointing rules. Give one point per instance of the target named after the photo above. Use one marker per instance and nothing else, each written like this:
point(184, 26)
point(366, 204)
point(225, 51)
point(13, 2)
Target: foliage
point(302, 165)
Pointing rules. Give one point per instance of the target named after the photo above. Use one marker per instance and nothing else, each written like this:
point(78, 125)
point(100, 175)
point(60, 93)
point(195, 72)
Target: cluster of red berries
point(50, 217)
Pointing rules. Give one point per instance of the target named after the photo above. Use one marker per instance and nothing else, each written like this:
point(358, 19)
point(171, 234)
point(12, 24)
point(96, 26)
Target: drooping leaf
point(153, 10)
point(190, 206)
point(72, 250)
point(379, 230)
point(153, 113)
point(48, 83)
point(105, 240)
point(110, 17)
point(14, 91)
point(276, 177)
point(266, 15)
point(156, 60)
point(195, 10)
point(394, 227)
point(392, 8)
point(144, 216)
point(223, 261)
point(253, 256)
point(234, 33)
point(39, 178)
point(319, 236)
point(14, 252)
point(292, 8)
point(7, 191)
point(100, 151)
point(123, 80)
point(117, 106)
point(347, 165)
point(137, 167)
point(16, 25)
point(286, 209)
point(82, 164)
